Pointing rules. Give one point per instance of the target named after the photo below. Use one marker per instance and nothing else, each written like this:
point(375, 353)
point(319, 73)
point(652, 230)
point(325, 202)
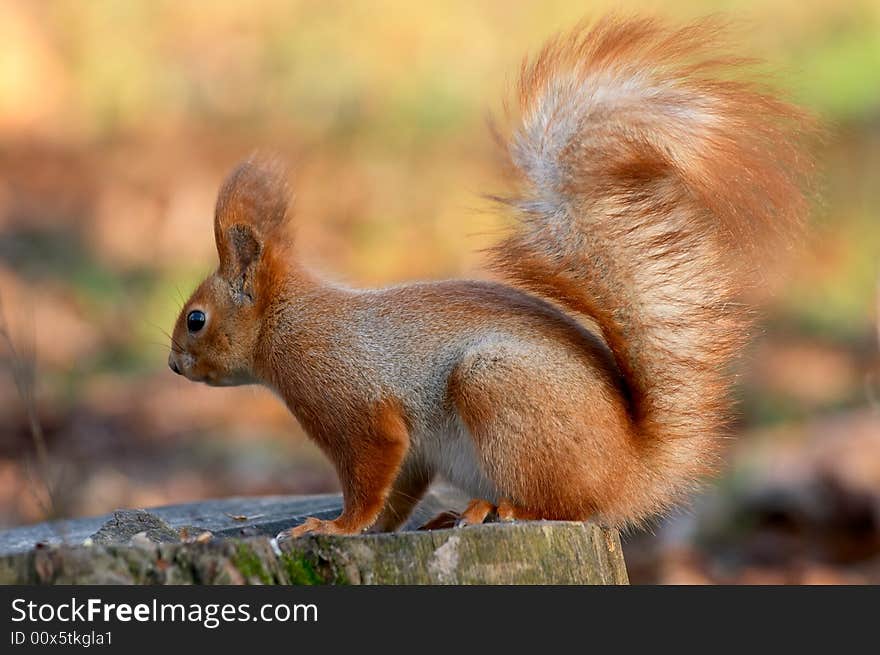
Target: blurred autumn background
point(119, 119)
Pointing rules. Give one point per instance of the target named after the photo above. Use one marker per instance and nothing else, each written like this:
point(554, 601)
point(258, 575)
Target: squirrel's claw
point(481, 511)
point(442, 521)
point(508, 512)
point(312, 525)
point(478, 511)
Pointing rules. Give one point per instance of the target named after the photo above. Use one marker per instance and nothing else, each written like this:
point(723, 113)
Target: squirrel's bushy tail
point(652, 180)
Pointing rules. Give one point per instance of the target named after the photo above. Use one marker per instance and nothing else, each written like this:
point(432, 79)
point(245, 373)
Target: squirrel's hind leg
point(507, 511)
point(481, 511)
point(477, 511)
point(546, 434)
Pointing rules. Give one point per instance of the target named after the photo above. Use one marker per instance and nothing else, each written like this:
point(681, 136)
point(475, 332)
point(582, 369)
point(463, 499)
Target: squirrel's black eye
point(195, 320)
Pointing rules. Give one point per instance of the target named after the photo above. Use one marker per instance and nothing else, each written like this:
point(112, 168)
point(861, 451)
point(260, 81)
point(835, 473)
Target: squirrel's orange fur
point(650, 182)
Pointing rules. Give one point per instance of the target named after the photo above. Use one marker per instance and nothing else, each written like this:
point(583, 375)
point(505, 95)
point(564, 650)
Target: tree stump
point(229, 542)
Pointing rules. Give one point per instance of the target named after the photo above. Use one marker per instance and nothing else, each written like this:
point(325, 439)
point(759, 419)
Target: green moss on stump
point(300, 570)
point(249, 564)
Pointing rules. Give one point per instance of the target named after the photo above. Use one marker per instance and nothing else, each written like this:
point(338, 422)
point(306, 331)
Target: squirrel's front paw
point(312, 525)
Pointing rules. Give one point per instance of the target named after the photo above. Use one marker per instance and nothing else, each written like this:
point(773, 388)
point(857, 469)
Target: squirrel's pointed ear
point(240, 250)
point(251, 213)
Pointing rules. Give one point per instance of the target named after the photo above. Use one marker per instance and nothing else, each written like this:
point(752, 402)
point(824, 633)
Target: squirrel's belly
point(455, 458)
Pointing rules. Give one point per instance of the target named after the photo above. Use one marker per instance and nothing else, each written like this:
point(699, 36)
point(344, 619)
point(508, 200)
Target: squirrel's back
point(652, 180)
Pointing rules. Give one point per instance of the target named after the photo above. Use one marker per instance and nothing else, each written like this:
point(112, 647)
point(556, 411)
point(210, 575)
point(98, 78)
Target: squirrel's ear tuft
point(251, 215)
point(255, 193)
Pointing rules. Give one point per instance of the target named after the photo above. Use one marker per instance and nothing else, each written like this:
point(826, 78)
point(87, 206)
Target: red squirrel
point(650, 180)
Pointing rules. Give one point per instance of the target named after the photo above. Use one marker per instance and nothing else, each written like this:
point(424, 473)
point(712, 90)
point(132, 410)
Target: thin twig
point(24, 375)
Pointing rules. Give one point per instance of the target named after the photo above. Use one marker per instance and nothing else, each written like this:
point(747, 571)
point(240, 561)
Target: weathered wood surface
point(228, 542)
point(519, 553)
point(266, 515)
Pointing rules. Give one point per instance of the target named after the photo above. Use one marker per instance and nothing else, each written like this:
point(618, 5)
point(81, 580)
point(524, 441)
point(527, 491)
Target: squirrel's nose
point(173, 366)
